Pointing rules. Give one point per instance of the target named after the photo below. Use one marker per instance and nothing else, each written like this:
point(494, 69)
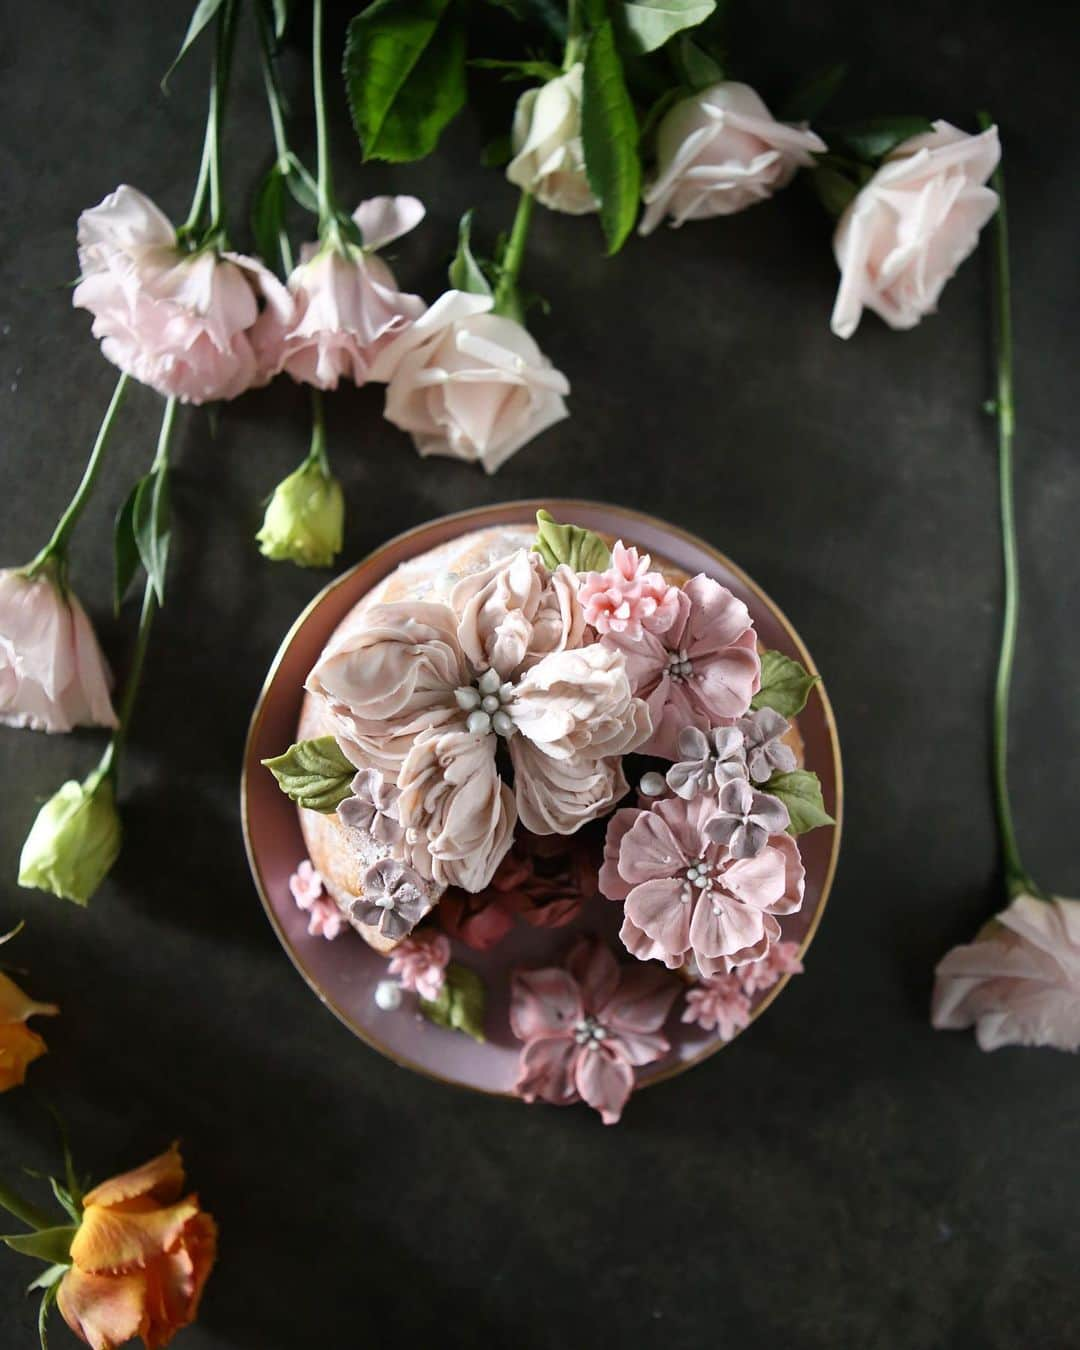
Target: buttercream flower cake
point(528, 726)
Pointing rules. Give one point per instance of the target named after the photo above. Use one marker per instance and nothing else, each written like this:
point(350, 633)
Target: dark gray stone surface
point(843, 1176)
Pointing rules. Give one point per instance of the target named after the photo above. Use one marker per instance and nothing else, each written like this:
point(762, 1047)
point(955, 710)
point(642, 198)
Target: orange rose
point(140, 1258)
point(19, 1046)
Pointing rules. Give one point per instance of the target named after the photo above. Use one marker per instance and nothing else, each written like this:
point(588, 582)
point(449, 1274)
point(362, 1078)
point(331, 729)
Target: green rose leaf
point(465, 273)
point(649, 23)
point(461, 1002)
point(404, 75)
point(609, 134)
point(48, 1277)
point(580, 549)
point(785, 685)
point(47, 1244)
point(48, 1299)
point(315, 774)
point(810, 96)
point(872, 139)
point(697, 68)
point(800, 792)
point(835, 190)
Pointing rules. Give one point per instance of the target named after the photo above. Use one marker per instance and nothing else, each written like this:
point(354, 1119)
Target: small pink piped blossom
point(420, 964)
point(718, 1005)
point(781, 959)
point(628, 598)
point(306, 885)
point(324, 917)
point(587, 1026)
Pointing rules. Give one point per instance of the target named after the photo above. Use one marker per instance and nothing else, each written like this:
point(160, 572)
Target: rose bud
point(19, 1046)
point(720, 152)
point(52, 674)
point(140, 1258)
point(74, 841)
point(912, 225)
point(305, 518)
point(548, 158)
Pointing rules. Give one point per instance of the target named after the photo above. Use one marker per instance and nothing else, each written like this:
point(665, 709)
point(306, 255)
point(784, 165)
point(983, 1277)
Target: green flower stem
point(277, 118)
point(202, 183)
point(326, 195)
point(575, 34)
point(22, 1209)
point(317, 452)
point(209, 179)
point(1016, 878)
point(506, 291)
point(58, 543)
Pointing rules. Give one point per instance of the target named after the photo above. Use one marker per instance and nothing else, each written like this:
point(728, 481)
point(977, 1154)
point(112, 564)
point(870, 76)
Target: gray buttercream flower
point(394, 899)
point(707, 760)
point(746, 819)
point(766, 753)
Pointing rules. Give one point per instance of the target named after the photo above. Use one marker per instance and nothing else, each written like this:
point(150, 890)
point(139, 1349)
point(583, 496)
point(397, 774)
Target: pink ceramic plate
point(344, 973)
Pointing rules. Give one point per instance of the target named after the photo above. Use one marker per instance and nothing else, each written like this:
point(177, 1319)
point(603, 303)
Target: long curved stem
point(326, 192)
point(277, 119)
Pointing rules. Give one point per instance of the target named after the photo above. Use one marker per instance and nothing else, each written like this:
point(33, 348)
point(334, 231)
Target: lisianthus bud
point(548, 158)
point(305, 519)
point(74, 841)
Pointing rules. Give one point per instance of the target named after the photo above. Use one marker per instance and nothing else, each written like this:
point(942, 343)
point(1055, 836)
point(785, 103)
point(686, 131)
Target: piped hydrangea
point(766, 751)
point(394, 899)
point(745, 819)
point(707, 760)
point(627, 597)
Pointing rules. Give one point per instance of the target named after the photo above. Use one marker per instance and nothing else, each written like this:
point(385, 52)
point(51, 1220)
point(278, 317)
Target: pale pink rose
point(701, 671)
point(53, 675)
point(720, 152)
point(912, 225)
point(587, 1027)
point(628, 597)
point(347, 306)
point(420, 964)
point(469, 384)
point(1018, 983)
point(180, 322)
point(718, 1004)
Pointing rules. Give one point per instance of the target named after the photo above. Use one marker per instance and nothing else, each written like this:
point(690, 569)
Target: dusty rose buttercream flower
point(307, 888)
point(1018, 983)
point(140, 1258)
point(718, 1004)
point(912, 225)
point(19, 1046)
point(685, 894)
point(427, 693)
point(420, 964)
point(781, 959)
point(53, 676)
point(720, 152)
point(587, 1026)
point(702, 670)
point(627, 597)
point(469, 384)
point(179, 321)
point(346, 303)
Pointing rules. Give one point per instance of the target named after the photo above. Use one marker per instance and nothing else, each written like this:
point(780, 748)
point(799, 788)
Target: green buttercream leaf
point(800, 792)
point(785, 685)
point(461, 1002)
point(580, 549)
point(315, 774)
point(47, 1244)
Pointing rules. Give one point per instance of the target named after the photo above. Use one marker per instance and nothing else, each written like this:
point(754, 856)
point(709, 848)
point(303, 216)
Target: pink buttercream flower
point(306, 884)
point(427, 692)
point(685, 893)
point(346, 304)
point(718, 1004)
point(700, 672)
point(53, 675)
point(1018, 983)
point(587, 1027)
point(420, 964)
point(628, 597)
point(781, 959)
point(324, 917)
point(181, 322)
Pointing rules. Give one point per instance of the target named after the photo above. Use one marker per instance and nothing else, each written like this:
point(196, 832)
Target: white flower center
point(485, 702)
point(698, 878)
point(589, 1033)
point(679, 666)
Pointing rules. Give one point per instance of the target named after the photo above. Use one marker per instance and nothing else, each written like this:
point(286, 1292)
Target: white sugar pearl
point(479, 722)
point(502, 723)
point(387, 995)
point(489, 682)
point(652, 784)
point(467, 698)
point(490, 703)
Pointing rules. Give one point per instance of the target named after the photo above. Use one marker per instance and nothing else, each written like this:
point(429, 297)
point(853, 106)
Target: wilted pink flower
point(628, 597)
point(53, 675)
point(701, 671)
point(781, 959)
point(587, 1027)
point(347, 306)
point(420, 964)
point(718, 1004)
point(180, 322)
point(1018, 983)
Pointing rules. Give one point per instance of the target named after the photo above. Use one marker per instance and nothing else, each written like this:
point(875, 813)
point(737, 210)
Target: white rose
point(548, 159)
point(469, 384)
point(912, 225)
point(720, 152)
